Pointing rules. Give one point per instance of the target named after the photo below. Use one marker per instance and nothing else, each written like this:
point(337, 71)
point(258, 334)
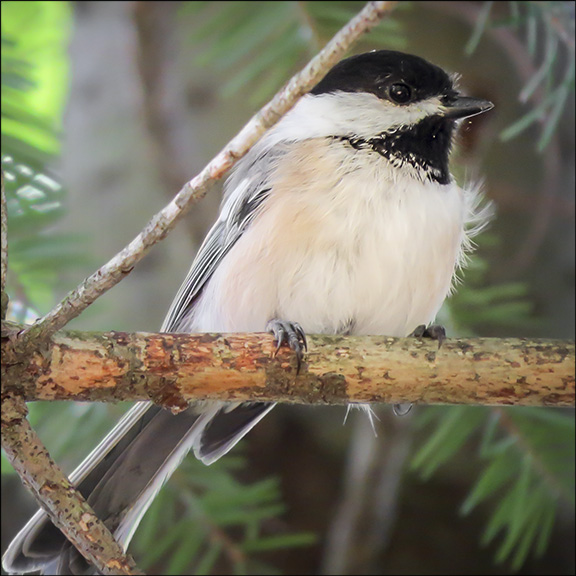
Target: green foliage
point(528, 458)
point(527, 454)
point(257, 46)
point(34, 68)
point(206, 517)
point(34, 77)
point(553, 56)
point(34, 85)
point(38, 253)
point(476, 304)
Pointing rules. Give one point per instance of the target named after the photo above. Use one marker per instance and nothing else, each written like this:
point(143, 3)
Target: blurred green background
point(108, 108)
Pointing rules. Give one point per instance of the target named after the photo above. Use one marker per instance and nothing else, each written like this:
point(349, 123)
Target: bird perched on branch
point(343, 219)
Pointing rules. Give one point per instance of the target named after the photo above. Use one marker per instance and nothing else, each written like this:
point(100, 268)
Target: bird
point(343, 219)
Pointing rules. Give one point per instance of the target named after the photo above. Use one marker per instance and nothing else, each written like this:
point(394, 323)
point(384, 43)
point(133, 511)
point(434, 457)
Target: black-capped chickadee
point(343, 219)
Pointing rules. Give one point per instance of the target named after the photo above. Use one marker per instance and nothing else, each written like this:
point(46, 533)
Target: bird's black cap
point(376, 71)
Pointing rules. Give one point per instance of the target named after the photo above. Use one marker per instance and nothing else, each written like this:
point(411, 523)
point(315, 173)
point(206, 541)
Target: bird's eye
point(400, 93)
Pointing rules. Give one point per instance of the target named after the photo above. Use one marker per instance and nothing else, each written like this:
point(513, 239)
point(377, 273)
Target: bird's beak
point(464, 107)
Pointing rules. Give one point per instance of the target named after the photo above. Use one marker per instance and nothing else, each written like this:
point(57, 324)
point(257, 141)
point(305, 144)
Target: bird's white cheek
point(346, 114)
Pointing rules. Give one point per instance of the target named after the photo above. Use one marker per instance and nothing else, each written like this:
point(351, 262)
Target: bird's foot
point(290, 334)
point(434, 332)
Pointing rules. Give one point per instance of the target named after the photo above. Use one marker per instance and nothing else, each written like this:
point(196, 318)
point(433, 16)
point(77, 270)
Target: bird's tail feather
point(123, 474)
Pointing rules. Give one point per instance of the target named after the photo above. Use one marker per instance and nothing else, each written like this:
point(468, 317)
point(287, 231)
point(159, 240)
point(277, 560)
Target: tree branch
point(66, 507)
point(158, 227)
point(4, 248)
point(174, 369)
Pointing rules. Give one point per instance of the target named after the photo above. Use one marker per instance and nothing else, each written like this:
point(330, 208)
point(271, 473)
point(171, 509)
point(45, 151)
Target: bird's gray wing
point(245, 195)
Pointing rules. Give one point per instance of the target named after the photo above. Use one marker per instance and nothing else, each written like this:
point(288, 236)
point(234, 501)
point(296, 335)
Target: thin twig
point(122, 264)
point(4, 261)
point(64, 504)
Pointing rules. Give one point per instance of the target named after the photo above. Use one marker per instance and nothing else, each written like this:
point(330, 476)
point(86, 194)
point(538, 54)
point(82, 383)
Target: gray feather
point(244, 196)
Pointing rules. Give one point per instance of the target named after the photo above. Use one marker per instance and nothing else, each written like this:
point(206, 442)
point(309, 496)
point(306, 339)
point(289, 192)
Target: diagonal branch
point(158, 227)
point(66, 507)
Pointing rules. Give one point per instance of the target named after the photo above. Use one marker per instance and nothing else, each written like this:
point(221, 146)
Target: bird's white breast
point(344, 243)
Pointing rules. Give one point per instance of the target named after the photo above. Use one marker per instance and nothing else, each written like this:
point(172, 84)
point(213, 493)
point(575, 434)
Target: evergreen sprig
point(226, 523)
point(255, 46)
point(548, 31)
point(528, 469)
point(35, 200)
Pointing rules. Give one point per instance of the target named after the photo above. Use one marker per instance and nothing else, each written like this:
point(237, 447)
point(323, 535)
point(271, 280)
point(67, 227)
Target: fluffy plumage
point(343, 218)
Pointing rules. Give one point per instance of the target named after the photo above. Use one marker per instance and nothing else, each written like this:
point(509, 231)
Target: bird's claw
point(402, 409)
point(434, 331)
point(290, 334)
